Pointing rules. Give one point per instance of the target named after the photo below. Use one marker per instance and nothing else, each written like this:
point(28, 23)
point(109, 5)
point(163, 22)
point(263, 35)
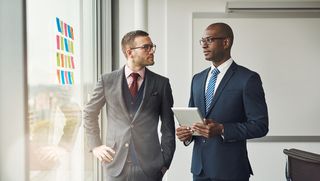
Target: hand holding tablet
point(187, 116)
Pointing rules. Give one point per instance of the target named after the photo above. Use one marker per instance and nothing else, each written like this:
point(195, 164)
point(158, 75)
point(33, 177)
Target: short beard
point(218, 58)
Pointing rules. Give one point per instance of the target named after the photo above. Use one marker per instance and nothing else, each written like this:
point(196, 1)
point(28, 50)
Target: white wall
point(170, 27)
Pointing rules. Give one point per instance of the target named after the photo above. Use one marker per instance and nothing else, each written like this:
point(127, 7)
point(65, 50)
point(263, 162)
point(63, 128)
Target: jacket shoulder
point(112, 74)
point(244, 71)
point(156, 76)
point(111, 77)
point(202, 73)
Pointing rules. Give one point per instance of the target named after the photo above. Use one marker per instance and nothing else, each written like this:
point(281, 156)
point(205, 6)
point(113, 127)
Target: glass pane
point(55, 97)
point(54, 122)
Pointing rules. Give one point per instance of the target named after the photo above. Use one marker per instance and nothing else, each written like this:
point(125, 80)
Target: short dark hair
point(224, 30)
point(128, 39)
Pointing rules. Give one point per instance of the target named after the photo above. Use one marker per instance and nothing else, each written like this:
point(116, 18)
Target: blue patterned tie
point(210, 88)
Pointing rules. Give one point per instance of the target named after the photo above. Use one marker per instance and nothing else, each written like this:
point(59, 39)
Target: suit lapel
point(202, 93)
point(119, 94)
point(223, 84)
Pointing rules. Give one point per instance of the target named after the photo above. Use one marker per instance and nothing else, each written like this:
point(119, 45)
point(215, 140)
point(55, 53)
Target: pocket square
point(154, 93)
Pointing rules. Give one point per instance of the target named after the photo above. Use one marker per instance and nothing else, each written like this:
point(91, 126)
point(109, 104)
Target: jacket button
point(126, 145)
point(204, 141)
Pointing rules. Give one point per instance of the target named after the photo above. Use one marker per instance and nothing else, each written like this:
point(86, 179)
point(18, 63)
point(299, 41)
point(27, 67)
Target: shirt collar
point(224, 66)
point(128, 71)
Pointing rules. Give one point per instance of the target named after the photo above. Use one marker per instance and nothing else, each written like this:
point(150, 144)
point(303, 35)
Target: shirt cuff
point(187, 143)
point(222, 133)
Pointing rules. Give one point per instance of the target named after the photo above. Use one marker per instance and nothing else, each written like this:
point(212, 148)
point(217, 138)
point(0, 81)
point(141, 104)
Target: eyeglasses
point(146, 47)
point(209, 40)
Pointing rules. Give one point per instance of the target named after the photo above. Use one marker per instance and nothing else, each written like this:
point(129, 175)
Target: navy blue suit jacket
point(239, 104)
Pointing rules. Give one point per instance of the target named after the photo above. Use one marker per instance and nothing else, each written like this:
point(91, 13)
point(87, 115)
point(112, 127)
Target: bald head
point(222, 30)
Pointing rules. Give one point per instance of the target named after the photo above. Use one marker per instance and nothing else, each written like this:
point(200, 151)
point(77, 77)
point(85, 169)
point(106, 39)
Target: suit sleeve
point(256, 113)
point(91, 115)
point(168, 142)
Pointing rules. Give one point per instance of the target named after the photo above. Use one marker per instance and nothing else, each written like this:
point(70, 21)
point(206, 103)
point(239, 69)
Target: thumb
point(209, 121)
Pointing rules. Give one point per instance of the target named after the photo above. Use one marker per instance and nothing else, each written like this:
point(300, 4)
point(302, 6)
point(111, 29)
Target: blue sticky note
point(69, 32)
point(66, 44)
point(58, 24)
point(62, 77)
point(70, 78)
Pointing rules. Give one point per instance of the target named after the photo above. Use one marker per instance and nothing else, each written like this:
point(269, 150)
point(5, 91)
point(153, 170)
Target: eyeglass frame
point(146, 47)
point(210, 39)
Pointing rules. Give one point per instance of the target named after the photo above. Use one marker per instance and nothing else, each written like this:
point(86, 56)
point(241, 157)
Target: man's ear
point(129, 52)
point(227, 43)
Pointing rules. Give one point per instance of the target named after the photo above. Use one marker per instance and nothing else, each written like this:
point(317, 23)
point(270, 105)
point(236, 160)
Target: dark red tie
point(134, 85)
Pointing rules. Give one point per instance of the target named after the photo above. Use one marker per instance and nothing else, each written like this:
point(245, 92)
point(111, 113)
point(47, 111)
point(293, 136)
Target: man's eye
point(147, 47)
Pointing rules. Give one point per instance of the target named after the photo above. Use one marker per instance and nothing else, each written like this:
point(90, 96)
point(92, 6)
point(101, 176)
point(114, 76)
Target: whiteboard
point(284, 48)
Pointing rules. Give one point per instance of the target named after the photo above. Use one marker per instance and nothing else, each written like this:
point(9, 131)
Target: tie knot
point(215, 71)
point(135, 76)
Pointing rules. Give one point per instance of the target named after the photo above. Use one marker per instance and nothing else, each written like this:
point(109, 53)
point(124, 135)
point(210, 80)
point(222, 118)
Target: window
point(62, 69)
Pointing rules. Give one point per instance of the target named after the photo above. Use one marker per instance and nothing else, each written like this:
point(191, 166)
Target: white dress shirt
point(223, 69)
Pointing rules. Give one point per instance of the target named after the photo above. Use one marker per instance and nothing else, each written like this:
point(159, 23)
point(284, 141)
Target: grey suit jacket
point(142, 129)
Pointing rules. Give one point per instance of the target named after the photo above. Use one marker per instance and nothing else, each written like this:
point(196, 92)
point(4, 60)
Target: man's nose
point(204, 45)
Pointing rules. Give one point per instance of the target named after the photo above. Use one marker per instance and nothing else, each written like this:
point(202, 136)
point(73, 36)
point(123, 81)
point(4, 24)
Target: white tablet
point(187, 116)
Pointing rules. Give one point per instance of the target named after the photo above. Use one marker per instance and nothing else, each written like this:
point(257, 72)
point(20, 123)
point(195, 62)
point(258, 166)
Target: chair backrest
point(302, 165)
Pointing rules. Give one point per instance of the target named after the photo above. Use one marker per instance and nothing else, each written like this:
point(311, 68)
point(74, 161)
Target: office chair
point(302, 165)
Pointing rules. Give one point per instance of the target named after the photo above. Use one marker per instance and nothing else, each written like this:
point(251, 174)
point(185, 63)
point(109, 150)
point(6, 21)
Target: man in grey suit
point(135, 99)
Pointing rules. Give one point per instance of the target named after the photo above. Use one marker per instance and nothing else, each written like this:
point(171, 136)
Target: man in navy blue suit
point(234, 109)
